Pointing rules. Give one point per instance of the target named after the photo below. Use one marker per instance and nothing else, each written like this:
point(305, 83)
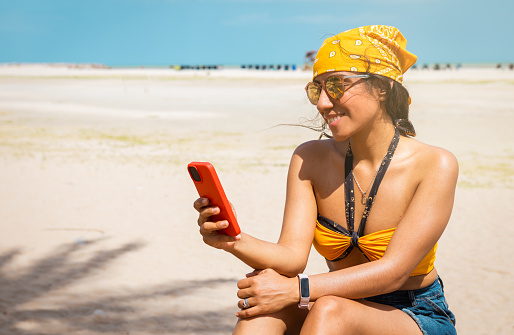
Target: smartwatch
point(304, 291)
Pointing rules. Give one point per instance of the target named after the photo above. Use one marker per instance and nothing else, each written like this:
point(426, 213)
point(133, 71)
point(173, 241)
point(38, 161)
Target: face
point(355, 110)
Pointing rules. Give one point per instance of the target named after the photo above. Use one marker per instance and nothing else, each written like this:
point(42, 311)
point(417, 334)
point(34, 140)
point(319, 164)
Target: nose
point(324, 103)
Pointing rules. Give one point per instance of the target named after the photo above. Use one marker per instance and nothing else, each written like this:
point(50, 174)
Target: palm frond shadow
point(126, 314)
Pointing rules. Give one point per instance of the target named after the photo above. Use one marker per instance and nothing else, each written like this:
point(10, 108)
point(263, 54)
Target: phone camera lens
point(194, 174)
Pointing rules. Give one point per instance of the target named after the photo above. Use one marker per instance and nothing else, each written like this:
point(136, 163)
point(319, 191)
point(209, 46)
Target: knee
point(330, 311)
point(288, 320)
point(329, 305)
point(270, 323)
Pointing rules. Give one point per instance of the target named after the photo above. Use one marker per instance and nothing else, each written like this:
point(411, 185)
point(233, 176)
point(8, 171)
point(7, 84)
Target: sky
point(232, 32)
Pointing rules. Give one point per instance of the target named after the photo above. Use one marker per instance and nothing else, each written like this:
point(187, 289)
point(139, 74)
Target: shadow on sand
point(32, 299)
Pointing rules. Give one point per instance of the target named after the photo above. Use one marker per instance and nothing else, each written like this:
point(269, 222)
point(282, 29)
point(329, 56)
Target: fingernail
point(204, 201)
point(224, 224)
point(237, 314)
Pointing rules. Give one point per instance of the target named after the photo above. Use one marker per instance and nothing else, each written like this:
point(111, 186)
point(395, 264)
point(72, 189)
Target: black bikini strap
point(349, 189)
point(349, 202)
point(378, 179)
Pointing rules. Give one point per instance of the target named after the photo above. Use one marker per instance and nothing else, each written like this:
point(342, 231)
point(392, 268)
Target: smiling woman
point(381, 278)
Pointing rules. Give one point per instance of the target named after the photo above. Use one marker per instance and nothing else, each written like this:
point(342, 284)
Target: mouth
point(335, 118)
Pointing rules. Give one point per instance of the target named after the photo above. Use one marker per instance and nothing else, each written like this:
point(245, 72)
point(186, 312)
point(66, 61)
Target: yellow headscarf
point(382, 46)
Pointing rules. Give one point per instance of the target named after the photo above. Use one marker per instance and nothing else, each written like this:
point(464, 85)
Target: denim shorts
point(427, 306)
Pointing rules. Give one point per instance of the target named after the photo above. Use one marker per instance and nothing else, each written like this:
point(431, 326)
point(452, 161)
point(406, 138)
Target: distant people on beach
point(271, 67)
point(510, 66)
point(293, 67)
point(309, 59)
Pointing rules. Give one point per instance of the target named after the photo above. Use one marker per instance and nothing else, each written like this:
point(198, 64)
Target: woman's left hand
point(267, 292)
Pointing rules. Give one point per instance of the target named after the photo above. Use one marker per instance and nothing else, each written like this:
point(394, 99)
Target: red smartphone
point(209, 186)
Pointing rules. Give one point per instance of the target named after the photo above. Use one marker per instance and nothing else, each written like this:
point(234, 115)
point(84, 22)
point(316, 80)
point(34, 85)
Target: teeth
point(329, 121)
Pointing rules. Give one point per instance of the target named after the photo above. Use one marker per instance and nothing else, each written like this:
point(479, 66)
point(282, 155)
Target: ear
point(382, 94)
point(384, 90)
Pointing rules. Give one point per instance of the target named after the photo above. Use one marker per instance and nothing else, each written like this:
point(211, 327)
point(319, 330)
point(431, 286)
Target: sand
point(97, 230)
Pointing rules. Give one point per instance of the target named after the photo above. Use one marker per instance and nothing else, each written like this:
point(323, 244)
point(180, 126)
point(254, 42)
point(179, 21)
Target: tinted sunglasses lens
point(313, 92)
point(335, 87)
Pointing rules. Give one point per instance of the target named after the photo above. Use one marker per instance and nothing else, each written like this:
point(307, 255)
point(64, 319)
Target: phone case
point(210, 187)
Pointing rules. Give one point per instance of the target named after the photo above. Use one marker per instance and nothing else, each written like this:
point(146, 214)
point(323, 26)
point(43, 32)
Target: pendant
point(364, 199)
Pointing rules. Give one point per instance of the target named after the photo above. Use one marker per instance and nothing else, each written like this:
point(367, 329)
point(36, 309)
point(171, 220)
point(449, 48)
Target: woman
point(379, 243)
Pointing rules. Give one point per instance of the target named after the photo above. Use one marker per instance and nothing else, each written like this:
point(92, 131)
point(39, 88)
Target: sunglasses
point(334, 86)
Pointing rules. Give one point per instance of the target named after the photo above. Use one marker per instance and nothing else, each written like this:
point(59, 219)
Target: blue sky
point(165, 32)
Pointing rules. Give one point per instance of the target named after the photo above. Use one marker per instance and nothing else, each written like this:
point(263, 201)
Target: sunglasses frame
point(322, 86)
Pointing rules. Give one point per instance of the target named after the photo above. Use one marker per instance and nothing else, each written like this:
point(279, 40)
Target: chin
point(340, 137)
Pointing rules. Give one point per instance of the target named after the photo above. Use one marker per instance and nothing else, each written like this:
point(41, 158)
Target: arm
point(420, 228)
point(288, 256)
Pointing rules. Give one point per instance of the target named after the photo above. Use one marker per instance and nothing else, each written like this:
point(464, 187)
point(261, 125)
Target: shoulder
point(311, 147)
point(317, 148)
point(318, 151)
point(314, 156)
point(430, 160)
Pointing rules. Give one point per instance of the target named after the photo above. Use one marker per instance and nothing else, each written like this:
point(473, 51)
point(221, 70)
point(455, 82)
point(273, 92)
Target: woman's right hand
point(209, 230)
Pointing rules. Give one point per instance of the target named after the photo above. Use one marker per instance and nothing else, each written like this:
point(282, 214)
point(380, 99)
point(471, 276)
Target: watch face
point(304, 287)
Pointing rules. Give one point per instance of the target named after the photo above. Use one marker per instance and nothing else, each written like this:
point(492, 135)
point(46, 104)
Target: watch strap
point(303, 280)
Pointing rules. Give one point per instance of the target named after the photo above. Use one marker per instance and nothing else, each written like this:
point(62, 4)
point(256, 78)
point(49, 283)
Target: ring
point(245, 303)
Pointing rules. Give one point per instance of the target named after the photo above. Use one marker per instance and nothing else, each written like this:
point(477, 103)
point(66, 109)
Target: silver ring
point(245, 303)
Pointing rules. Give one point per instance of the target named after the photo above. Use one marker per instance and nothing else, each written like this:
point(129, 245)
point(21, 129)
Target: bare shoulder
point(431, 159)
point(314, 156)
point(318, 148)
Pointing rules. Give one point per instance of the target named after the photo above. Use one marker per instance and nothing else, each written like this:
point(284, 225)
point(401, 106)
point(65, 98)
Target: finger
point(244, 283)
point(210, 227)
point(233, 210)
point(244, 293)
point(248, 313)
point(209, 211)
point(251, 303)
point(206, 213)
point(218, 239)
point(200, 202)
point(253, 273)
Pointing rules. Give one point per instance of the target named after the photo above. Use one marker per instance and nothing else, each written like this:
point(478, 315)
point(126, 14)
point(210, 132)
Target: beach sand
point(97, 230)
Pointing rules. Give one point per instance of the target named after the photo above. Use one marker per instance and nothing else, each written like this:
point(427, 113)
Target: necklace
point(364, 198)
point(385, 162)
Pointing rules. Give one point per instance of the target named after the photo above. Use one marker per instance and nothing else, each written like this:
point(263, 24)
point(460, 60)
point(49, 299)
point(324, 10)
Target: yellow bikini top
point(335, 242)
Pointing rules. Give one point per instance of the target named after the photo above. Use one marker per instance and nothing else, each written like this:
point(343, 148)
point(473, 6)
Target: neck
point(369, 146)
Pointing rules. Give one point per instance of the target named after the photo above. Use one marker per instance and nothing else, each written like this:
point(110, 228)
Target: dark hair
point(396, 103)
